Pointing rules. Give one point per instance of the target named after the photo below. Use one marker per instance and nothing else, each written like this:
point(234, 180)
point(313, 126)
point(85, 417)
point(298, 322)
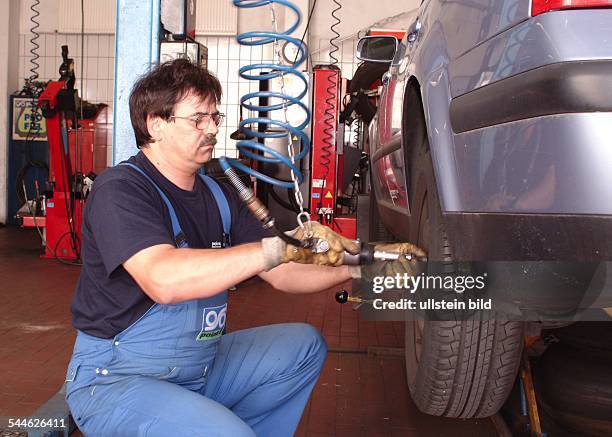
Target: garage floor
point(358, 394)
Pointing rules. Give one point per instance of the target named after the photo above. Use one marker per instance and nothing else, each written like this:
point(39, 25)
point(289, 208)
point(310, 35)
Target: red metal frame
point(63, 214)
point(86, 152)
point(325, 125)
point(325, 109)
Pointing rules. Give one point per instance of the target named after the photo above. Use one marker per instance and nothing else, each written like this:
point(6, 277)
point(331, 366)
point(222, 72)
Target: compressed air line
point(254, 149)
point(249, 148)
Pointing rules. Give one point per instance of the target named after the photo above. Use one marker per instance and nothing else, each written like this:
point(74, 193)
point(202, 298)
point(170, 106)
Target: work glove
point(390, 268)
point(276, 251)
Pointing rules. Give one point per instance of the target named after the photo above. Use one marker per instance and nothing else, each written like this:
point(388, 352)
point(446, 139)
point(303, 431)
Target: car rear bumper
point(529, 237)
point(568, 87)
point(555, 164)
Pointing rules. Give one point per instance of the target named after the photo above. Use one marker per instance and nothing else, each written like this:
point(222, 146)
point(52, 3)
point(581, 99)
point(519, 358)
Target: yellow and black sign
point(28, 121)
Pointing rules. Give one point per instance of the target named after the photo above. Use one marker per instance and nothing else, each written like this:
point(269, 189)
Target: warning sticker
point(329, 195)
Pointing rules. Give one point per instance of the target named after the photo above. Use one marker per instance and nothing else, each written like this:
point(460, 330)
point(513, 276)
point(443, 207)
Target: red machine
point(326, 164)
point(63, 210)
point(76, 155)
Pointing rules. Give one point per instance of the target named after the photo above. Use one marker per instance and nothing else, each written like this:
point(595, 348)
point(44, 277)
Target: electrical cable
point(332, 41)
point(34, 41)
point(358, 125)
point(329, 113)
point(357, 134)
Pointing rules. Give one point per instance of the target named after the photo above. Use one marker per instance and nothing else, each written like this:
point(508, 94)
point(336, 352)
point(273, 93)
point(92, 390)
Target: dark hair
point(157, 93)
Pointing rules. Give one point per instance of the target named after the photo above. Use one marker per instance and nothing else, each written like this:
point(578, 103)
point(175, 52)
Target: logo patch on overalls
point(213, 322)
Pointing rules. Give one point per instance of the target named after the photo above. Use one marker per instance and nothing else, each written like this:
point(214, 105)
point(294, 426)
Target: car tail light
point(540, 6)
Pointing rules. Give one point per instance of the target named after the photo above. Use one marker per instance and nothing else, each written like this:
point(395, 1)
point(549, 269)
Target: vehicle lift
point(326, 163)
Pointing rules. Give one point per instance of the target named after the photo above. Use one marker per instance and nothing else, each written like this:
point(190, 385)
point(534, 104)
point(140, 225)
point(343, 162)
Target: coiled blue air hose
point(249, 148)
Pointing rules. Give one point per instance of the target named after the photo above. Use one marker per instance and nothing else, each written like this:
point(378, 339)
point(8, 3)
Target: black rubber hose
point(283, 202)
point(365, 76)
point(20, 178)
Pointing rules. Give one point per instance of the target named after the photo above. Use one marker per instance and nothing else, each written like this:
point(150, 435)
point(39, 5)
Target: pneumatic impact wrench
point(367, 255)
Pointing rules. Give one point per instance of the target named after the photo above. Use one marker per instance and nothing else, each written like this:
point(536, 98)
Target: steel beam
point(137, 42)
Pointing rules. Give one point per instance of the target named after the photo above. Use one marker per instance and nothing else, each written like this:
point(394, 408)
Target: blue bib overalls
point(174, 372)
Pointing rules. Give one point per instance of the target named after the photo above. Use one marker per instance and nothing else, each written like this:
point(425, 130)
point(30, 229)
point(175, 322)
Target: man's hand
point(391, 268)
point(276, 251)
point(402, 265)
point(333, 256)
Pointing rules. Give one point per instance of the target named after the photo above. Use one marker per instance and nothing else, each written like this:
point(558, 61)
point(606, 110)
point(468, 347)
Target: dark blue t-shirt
point(125, 214)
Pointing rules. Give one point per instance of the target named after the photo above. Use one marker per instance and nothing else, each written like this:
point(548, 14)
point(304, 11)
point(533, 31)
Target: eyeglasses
point(202, 119)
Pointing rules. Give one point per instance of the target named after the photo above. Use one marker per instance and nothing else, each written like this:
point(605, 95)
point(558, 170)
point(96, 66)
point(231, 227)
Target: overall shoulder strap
point(179, 236)
point(224, 209)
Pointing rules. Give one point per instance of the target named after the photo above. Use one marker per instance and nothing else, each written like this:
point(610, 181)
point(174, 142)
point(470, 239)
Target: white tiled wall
point(96, 84)
point(345, 55)
point(225, 57)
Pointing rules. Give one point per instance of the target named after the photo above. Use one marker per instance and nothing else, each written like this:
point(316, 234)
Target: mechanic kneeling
point(151, 357)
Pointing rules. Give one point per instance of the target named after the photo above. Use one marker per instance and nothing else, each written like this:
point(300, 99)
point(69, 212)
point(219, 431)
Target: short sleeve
point(124, 217)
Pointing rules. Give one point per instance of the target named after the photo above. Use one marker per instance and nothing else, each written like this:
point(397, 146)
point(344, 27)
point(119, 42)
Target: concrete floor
point(357, 394)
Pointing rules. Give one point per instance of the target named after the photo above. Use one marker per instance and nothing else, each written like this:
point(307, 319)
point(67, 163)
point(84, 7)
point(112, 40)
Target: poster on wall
point(28, 121)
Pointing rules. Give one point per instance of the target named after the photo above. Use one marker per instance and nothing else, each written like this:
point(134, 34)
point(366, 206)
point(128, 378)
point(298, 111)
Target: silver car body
point(540, 156)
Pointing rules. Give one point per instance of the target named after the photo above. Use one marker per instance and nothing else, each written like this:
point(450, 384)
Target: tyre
point(574, 388)
point(594, 337)
point(457, 368)
point(366, 75)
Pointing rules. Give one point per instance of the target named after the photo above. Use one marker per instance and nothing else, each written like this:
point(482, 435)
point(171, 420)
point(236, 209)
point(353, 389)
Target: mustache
point(209, 141)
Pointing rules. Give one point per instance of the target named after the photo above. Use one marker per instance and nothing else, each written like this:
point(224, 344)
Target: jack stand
point(529, 391)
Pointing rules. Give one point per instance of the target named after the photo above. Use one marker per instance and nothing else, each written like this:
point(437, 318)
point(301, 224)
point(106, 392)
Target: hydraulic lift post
point(324, 154)
point(63, 213)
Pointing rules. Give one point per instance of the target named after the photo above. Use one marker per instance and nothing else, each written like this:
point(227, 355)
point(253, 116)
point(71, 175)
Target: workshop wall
point(96, 84)
point(9, 33)
point(356, 17)
point(226, 56)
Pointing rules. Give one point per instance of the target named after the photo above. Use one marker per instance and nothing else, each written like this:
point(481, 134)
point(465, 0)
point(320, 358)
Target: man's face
point(184, 144)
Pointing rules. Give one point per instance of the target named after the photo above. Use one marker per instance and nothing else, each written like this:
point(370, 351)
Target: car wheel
point(458, 368)
point(365, 77)
point(595, 337)
point(574, 387)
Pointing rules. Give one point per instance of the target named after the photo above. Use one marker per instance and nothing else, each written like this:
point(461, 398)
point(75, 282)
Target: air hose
point(279, 101)
point(329, 114)
point(34, 41)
